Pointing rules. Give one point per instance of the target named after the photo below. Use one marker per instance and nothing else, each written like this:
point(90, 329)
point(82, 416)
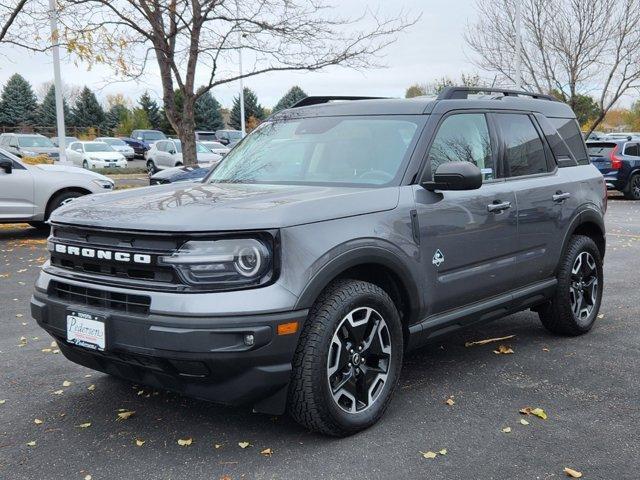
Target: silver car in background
point(29, 193)
point(28, 145)
point(119, 146)
point(168, 154)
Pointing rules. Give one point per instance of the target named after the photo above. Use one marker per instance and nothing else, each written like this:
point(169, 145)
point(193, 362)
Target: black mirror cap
point(455, 176)
point(6, 165)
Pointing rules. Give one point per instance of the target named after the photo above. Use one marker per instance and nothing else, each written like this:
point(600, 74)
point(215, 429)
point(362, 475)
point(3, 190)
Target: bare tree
point(191, 41)
point(10, 10)
point(573, 47)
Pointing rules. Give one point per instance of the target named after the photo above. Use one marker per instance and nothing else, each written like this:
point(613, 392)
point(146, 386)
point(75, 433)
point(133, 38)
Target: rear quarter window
point(570, 132)
point(600, 149)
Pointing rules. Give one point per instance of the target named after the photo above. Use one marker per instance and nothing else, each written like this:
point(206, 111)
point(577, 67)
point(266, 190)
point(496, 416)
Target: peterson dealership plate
point(86, 330)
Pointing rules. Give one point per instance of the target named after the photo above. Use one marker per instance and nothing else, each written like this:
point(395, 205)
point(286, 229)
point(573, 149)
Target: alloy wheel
point(584, 286)
point(359, 359)
point(635, 186)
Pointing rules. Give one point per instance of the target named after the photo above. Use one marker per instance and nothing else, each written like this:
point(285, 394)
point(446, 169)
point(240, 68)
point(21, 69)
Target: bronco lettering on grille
point(99, 254)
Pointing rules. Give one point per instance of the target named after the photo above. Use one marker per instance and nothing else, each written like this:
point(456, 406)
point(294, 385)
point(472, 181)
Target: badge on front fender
point(438, 258)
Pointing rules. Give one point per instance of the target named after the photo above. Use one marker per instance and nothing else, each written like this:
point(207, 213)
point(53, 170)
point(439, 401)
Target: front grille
point(153, 245)
point(93, 297)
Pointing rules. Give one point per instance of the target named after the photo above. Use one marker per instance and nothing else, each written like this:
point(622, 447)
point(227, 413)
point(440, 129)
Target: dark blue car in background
point(619, 162)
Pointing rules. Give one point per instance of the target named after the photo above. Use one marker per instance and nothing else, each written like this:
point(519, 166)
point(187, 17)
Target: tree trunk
point(187, 133)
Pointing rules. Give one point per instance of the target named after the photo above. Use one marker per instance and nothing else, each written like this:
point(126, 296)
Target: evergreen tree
point(87, 112)
point(115, 116)
point(18, 103)
point(207, 113)
point(47, 109)
point(293, 96)
point(151, 109)
point(251, 109)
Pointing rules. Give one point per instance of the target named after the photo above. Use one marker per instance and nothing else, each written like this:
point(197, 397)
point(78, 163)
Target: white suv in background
point(168, 154)
point(29, 193)
point(95, 155)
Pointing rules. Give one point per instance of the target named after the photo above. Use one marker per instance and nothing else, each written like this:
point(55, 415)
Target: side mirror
point(6, 165)
point(455, 176)
point(224, 141)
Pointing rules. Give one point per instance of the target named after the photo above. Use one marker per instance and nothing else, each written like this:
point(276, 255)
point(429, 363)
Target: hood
point(198, 207)
point(71, 169)
point(49, 150)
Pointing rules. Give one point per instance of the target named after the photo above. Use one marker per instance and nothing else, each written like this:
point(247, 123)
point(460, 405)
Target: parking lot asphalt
point(589, 387)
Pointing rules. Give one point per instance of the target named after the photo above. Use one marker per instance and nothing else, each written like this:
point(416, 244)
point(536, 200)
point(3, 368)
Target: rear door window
point(632, 150)
point(524, 150)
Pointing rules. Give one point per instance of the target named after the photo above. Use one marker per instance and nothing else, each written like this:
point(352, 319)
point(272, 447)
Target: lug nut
point(360, 348)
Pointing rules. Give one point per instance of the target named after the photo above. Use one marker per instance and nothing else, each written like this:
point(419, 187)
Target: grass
point(120, 171)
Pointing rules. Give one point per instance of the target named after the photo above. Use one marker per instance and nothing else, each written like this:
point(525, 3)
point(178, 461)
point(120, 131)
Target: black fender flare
point(361, 255)
point(588, 214)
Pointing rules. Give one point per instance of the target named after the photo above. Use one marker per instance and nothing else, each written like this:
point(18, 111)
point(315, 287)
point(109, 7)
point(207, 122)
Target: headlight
point(95, 159)
point(29, 152)
point(224, 264)
point(106, 184)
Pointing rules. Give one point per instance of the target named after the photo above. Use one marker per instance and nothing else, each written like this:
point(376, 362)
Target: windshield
point(324, 150)
point(113, 142)
point(234, 135)
point(151, 136)
point(206, 135)
point(35, 142)
point(97, 147)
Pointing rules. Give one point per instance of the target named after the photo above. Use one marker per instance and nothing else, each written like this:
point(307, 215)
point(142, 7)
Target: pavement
point(588, 386)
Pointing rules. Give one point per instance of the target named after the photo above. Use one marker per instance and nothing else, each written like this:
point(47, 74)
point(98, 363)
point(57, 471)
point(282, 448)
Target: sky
point(432, 48)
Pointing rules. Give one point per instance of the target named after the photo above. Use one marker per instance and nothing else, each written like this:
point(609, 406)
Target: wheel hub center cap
point(356, 359)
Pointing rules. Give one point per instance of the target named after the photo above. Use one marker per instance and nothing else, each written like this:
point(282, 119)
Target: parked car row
point(619, 162)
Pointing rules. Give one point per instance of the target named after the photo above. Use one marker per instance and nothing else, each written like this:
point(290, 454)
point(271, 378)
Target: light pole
point(518, 59)
point(57, 81)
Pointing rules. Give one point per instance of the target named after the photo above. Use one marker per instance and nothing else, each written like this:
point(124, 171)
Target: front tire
point(151, 167)
point(61, 199)
point(575, 306)
point(85, 165)
point(348, 359)
point(632, 192)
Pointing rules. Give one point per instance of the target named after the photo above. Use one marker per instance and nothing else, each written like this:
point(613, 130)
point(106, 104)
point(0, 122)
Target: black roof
point(427, 105)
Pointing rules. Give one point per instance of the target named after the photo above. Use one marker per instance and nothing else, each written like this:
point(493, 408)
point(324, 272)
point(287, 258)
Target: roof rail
point(450, 93)
point(317, 100)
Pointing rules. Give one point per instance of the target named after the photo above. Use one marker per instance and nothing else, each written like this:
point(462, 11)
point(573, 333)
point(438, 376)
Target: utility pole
point(57, 81)
point(518, 59)
point(242, 122)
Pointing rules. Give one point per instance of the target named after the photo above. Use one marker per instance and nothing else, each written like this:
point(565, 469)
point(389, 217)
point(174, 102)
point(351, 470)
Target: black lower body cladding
point(207, 358)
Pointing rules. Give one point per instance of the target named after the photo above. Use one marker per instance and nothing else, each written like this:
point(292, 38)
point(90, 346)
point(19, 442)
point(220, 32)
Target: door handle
point(561, 197)
point(498, 206)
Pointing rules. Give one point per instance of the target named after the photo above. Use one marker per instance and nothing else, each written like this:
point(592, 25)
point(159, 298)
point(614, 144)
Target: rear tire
point(632, 192)
point(151, 167)
point(85, 165)
point(348, 359)
point(575, 305)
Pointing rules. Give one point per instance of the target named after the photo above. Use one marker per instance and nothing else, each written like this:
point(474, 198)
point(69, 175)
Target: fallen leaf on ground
point(37, 421)
point(443, 451)
point(523, 421)
point(217, 446)
point(545, 349)
point(19, 315)
point(84, 425)
point(487, 340)
point(88, 477)
point(185, 442)
point(506, 430)
point(503, 350)
point(53, 344)
point(46, 350)
point(91, 387)
point(139, 442)
point(572, 473)
point(58, 392)
point(66, 383)
point(125, 414)
point(538, 412)
point(2, 402)
point(601, 315)
point(32, 443)
point(450, 401)
point(243, 444)
point(267, 452)
point(429, 454)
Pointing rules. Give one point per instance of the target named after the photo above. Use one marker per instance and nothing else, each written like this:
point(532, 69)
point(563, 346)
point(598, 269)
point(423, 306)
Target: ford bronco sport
point(331, 240)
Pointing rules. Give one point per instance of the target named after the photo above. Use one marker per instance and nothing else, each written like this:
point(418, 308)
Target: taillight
point(616, 161)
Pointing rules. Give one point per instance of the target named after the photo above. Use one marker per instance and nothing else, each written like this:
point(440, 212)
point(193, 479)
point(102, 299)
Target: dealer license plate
point(86, 330)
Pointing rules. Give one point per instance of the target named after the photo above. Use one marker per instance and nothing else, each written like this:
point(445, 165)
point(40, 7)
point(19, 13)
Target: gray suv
point(333, 239)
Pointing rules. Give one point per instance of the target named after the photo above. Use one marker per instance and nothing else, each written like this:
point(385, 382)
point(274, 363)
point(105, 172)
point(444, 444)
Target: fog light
point(249, 340)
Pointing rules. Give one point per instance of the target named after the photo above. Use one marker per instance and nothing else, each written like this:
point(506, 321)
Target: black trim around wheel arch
point(588, 214)
point(353, 258)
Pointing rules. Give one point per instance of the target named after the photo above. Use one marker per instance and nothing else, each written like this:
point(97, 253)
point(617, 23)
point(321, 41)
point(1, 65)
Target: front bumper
point(199, 356)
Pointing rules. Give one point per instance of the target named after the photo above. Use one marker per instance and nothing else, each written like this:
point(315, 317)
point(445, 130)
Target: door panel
point(468, 252)
point(16, 194)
